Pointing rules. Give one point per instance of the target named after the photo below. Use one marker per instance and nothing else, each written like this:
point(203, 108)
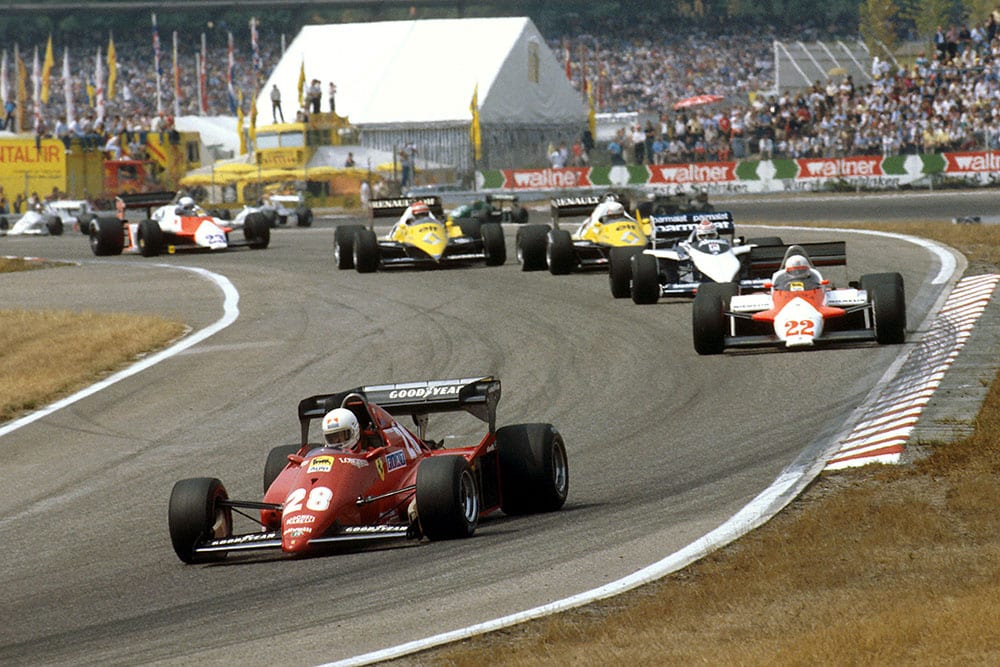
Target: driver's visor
point(338, 437)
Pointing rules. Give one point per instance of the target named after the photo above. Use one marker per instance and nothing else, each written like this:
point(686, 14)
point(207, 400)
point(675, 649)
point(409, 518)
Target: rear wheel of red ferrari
point(534, 473)
point(277, 459)
point(365, 251)
point(196, 514)
point(494, 246)
point(447, 498)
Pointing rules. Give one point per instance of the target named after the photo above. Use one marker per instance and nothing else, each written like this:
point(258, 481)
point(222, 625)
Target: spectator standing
point(333, 95)
point(10, 120)
point(365, 195)
point(314, 95)
point(276, 104)
point(616, 151)
point(638, 145)
point(408, 159)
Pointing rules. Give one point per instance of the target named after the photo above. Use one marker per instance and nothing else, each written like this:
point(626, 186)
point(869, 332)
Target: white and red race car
point(170, 226)
point(800, 308)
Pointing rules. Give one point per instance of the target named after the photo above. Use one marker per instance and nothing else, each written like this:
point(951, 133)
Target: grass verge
point(877, 565)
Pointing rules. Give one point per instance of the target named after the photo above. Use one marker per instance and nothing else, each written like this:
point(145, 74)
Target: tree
point(877, 24)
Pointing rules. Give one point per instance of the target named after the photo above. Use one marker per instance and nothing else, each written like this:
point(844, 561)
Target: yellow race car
point(607, 228)
point(421, 237)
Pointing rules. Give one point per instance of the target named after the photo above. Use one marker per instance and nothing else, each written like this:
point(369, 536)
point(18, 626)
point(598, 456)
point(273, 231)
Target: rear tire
point(645, 279)
point(620, 270)
point(303, 217)
point(494, 246)
point(365, 251)
point(54, 224)
point(150, 238)
point(257, 231)
point(530, 244)
point(447, 498)
point(195, 515)
point(534, 473)
point(107, 237)
point(519, 215)
point(559, 252)
point(708, 320)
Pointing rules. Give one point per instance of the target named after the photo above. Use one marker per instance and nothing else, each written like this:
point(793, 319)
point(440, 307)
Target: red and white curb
point(881, 435)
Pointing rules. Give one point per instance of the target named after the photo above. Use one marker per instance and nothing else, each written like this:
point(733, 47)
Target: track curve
point(663, 445)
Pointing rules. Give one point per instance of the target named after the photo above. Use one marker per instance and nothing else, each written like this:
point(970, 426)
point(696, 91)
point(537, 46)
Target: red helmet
point(419, 209)
point(797, 266)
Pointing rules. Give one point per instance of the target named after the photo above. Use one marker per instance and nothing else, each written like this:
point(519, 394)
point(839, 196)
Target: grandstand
point(799, 65)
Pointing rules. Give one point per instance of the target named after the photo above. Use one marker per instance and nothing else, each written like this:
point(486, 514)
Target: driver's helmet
point(341, 428)
point(706, 231)
point(420, 210)
point(613, 210)
point(186, 203)
point(797, 266)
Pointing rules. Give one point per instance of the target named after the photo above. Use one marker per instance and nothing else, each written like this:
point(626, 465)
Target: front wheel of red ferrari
point(197, 514)
point(447, 498)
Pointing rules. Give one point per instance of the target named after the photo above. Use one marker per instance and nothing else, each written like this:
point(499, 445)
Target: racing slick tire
point(277, 459)
point(447, 497)
point(620, 270)
point(107, 237)
point(766, 241)
point(150, 238)
point(365, 251)
point(196, 514)
point(303, 217)
point(645, 279)
point(83, 222)
point(559, 252)
point(494, 246)
point(888, 299)
point(54, 225)
point(708, 319)
point(534, 473)
point(343, 245)
point(519, 215)
point(530, 245)
point(257, 231)
point(270, 216)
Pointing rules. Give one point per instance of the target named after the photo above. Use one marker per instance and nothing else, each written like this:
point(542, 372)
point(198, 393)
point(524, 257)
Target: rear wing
point(680, 225)
point(765, 260)
point(478, 396)
point(143, 200)
point(582, 205)
point(395, 206)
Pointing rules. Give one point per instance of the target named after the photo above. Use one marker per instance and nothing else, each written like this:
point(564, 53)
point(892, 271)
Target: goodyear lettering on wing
point(320, 464)
point(367, 530)
point(244, 539)
point(395, 460)
point(425, 392)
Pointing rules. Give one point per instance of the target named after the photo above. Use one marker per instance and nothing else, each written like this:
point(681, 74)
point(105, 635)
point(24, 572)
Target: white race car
point(170, 226)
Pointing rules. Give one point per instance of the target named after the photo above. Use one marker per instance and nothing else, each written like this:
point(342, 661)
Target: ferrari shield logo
point(380, 467)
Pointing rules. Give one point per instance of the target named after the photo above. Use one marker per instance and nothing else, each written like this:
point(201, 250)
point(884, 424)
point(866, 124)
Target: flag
point(47, 66)
point(254, 45)
point(591, 112)
point(302, 79)
point(203, 79)
point(475, 135)
point(177, 80)
point(253, 120)
point(68, 88)
point(583, 67)
point(3, 79)
point(159, 68)
point(230, 71)
point(36, 80)
point(91, 93)
point(99, 86)
point(239, 124)
point(569, 71)
point(22, 89)
point(112, 67)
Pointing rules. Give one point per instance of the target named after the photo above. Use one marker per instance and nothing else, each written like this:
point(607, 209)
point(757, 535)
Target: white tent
point(397, 78)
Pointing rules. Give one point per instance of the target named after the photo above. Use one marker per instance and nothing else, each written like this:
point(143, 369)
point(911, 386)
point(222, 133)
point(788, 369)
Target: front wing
point(458, 250)
point(856, 325)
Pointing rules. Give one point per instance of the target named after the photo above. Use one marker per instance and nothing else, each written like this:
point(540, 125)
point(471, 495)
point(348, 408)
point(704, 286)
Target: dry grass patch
point(49, 354)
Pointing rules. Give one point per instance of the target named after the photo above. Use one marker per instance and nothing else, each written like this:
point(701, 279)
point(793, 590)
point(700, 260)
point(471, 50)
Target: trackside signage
point(845, 167)
point(545, 179)
point(696, 172)
point(972, 162)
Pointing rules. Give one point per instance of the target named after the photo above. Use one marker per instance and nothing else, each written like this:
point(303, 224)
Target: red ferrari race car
point(372, 478)
point(172, 226)
point(800, 308)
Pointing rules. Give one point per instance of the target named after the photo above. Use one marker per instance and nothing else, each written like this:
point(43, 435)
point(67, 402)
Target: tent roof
point(412, 72)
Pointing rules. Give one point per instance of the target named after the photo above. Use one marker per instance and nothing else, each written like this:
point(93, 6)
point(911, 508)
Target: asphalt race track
point(663, 445)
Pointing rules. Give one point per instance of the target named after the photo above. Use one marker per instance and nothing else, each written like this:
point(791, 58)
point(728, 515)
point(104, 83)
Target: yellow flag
point(475, 134)
point(239, 124)
point(302, 81)
point(50, 61)
point(112, 68)
point(592, 112)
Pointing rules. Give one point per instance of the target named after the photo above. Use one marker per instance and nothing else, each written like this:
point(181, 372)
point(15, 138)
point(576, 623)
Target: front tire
point(150, 238)
point(54, 225)
point(365, 251)
point(534, 473)
point(530, 244)
point(559, 252)
point(257, 231)
point(620, 270)
point(645, 279)
point(494, 246)
point(107, 237)
point(888, 299)
point(196, 514)
point(303, 217)
point(447, 498)
point(343, 245)
point(708, 319)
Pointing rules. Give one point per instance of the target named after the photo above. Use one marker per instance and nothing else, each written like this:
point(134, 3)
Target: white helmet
point(797, 266)
point(186, 202)
point(341, 429)
point(706, 231)
point(613, 209)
